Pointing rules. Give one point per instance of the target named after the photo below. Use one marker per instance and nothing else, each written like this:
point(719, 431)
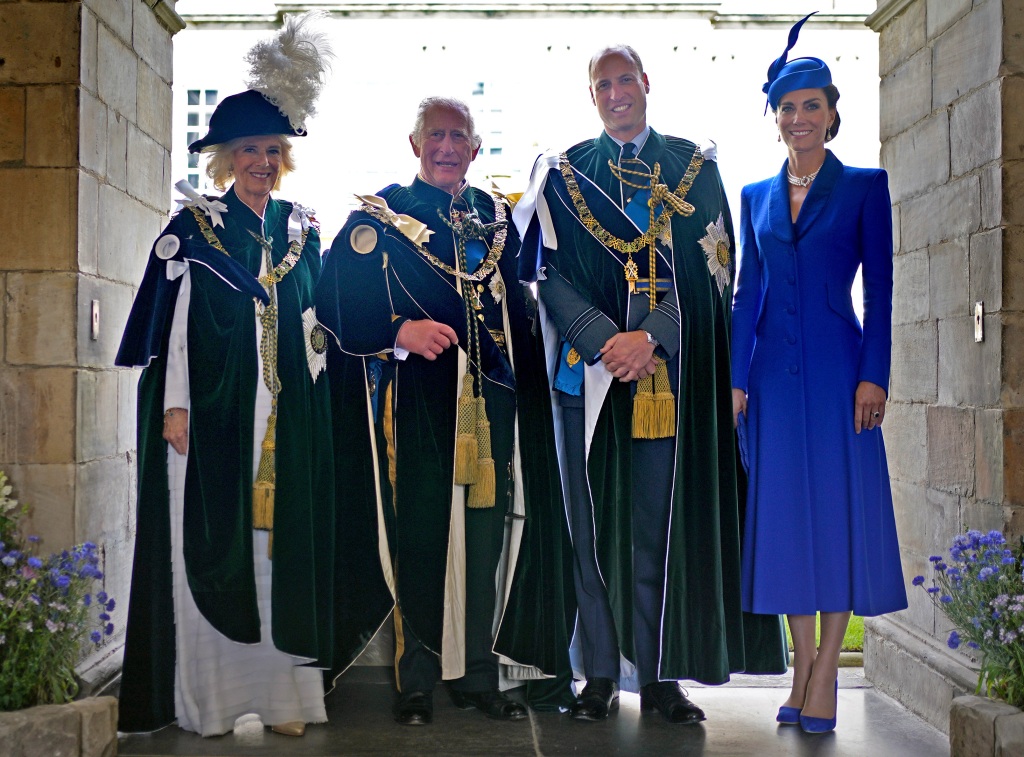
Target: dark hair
point(831, 98)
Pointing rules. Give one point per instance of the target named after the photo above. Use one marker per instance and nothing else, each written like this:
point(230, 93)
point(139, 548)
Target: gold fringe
point(264, 486)
point(466, 446)
point(654, 412)
point(263, 505)
point(643, 409)
point(481, 494)
point(270, 546)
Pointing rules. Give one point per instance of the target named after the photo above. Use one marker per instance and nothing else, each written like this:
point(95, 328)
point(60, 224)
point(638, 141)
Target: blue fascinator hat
point(799, 73)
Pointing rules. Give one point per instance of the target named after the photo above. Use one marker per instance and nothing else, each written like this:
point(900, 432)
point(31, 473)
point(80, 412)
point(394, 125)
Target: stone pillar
point(85, 135)
point(952, 95)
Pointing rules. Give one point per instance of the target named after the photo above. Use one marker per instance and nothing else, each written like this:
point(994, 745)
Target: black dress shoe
point(599, 697)
point(493, 704)
point(414, 708)
point(667, 698)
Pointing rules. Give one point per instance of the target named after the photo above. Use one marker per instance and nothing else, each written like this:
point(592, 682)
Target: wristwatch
point(650, 339)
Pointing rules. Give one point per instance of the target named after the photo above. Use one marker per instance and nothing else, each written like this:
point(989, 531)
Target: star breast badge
point(717, 250)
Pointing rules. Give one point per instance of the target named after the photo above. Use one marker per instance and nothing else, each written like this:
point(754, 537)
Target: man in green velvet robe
point(629, 239)
point(420, 289)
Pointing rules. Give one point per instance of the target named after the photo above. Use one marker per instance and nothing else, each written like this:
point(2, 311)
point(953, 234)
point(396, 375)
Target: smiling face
point(445, 148)
point(803, 118)
point(619, 91)
point(256, 165)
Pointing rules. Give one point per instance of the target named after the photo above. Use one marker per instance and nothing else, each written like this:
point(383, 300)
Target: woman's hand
point(868, 406)
point(739, 405)
point(426, 338)
point(176, 429)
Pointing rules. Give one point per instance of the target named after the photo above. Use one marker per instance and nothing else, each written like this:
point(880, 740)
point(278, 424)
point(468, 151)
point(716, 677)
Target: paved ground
point(741, 721)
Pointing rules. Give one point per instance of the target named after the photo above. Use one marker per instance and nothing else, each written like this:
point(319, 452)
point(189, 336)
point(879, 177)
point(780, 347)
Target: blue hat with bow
point(799, 73)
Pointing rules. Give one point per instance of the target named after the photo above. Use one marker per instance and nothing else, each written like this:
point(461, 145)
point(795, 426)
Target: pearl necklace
point(801, 181)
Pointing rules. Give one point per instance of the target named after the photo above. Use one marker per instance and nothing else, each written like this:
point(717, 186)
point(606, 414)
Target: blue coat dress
point(820, 534)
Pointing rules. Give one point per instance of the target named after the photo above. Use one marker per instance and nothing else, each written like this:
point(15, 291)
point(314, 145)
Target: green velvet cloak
point(217, 539)
point(705, 635)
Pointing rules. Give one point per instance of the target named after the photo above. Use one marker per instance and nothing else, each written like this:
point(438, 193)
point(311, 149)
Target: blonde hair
point(220, 163)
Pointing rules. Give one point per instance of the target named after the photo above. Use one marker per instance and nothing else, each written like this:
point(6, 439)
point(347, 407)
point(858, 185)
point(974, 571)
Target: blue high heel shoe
point(820, 725)
point(788, 716)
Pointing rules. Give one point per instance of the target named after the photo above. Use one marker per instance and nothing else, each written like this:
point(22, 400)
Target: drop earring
point(778, 137)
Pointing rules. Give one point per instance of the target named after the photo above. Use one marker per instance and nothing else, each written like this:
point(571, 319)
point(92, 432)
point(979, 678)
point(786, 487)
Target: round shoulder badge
point(363, 239)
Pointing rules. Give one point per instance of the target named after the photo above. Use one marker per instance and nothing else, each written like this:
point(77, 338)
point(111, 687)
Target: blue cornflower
point(8, 560)
point(101, 597)
point(104, 617)
point(109, 629)
point(1008, 561)
point(954, 640)
point(918, 580)
point(111, 605)
point(62, 582)
point(946, 599)
point(96, 637)
point(87, 600)
point(35, 562)
point(934, 558)
point(996, 537)
point(933, 589)
point(940, 566)
point(34, 539)
point(973, 644)
point(985, 572)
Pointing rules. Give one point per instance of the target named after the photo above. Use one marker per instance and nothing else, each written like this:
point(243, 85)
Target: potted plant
point(980, 588)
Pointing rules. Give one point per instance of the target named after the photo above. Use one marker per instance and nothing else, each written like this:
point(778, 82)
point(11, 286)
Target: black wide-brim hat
point(247, 114)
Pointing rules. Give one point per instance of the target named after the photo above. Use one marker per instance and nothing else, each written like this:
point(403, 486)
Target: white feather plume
point(289, 69)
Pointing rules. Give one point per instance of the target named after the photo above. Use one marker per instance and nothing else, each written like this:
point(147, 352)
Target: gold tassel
point(481, 493)
point(263, 488)
point(466, 447)
point(270, 546)
point(643, 409)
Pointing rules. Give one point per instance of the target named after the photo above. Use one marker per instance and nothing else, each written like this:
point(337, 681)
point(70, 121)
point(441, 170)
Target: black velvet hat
point(247, 114)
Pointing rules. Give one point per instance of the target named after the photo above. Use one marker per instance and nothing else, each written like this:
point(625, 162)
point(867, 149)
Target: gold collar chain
point(490, 261)
point(673, 203)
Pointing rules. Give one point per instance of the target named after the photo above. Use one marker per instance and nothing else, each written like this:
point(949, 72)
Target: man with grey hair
point(629, 239)
point(421, 291)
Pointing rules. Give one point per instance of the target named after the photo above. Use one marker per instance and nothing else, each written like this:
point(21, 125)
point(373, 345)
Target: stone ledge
point(85, 728)
point(980, 727)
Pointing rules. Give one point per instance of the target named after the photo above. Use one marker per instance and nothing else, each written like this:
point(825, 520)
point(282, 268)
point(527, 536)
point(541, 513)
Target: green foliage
point(46, 612)
point(981, 590)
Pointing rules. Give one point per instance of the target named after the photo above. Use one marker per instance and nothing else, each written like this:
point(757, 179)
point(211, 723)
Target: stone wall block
point(1010, 735)
point(40, 318)
point(27, 244)
point(116, 15)
point(986, 266)
point(972, 729)
point(951, 449)
point(88, 208)
point(949, 278)
point(151, 42)
point(127, 228)
point(89, 58)
point(910, 275)
point(966, 56)
point(1013, 459)
point(49, 729)
point(970, 372)
point(920, 520)
point(1010, 329)
point(902, 38)
point(941, 14)
point(1012, 109)
point(906, 95)
point(40, 43)
point(1013, 189)
point(914, 374)
point(146, 179)
point(946, 212)
point(917, 160)
point(897, 241)
point(92, 134)
point(1013, 33)
point(42, 401)
point(1013, 269)
point(115, 301)
point(50, 491)
point(975, 137)
point(988, 454)
point(154, 101)
point(127, 388)
point(991, 195)
point(920, 612)
point(12, 125)
point(984, 517)
point(101, 494)
point(905, 431)
point(95, 435)
point(98, 717)
point(53, 139)
point(117, 150)
point(117, 73)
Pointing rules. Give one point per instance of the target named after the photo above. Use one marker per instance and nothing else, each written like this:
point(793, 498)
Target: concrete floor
point(741, 721)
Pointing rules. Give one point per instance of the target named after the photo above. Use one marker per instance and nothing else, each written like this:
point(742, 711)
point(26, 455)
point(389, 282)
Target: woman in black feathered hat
point(810, 387)
point(231, 600)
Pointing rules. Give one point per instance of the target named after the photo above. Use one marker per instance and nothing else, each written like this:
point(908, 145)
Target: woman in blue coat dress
point(810, 385)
